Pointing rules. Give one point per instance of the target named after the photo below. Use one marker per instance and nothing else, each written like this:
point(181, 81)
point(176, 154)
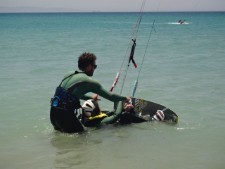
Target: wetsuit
point(77, 84)
point(88, 85)
point(115, 116)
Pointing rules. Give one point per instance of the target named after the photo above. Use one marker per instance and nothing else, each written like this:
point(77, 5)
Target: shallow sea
point(184, 69)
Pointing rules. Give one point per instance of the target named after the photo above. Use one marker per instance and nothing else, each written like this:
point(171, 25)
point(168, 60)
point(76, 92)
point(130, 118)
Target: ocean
point(183, 69)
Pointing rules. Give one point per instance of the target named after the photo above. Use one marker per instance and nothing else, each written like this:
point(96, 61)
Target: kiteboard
point(148, 111)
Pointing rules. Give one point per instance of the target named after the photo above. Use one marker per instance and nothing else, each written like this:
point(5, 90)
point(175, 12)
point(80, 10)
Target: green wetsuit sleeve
point(98, 89)
point(85, 97)
point(91, 85)
point(86, 85)
point(112, 119)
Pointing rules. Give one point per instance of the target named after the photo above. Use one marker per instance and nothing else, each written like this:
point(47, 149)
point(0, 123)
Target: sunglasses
point(95, 66)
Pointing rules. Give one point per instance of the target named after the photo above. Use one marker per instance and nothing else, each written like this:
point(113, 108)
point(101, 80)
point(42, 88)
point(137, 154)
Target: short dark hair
point(86, 59)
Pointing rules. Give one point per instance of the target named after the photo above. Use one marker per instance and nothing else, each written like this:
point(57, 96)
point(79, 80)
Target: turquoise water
point(184, 69)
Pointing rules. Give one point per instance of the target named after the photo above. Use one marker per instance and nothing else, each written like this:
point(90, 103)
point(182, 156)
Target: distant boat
point(181, 21)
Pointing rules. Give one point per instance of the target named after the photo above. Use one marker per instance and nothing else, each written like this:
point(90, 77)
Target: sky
point(109, 5)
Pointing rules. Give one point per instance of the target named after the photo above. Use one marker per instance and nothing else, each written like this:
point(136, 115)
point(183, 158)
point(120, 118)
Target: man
point(64, 113)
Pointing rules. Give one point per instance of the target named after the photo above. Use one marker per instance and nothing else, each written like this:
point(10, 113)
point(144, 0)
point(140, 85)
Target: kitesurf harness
point(63, 98)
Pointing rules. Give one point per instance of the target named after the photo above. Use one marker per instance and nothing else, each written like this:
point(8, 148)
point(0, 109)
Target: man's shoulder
point(77, 73)
point(68, 73)
point(82, 77)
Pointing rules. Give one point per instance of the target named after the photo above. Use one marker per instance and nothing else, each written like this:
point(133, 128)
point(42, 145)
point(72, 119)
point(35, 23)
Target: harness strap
point(76, 72)
point(132, 54)
point(70, 89)
point(63, 98)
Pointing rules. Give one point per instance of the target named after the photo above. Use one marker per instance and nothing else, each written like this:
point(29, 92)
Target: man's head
point(86, 63)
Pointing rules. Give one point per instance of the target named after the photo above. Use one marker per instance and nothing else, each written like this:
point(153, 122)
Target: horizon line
point(107, 11)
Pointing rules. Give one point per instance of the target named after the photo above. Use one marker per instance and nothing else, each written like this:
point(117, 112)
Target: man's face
point(90, 69)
